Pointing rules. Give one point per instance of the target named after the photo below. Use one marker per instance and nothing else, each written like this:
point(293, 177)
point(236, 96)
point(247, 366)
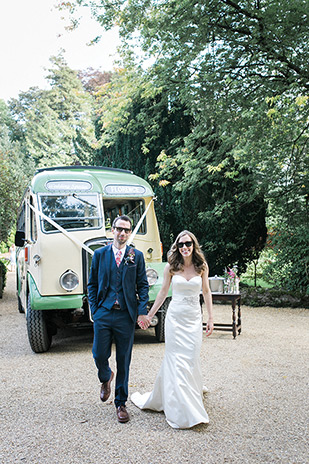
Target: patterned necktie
point(118, 258)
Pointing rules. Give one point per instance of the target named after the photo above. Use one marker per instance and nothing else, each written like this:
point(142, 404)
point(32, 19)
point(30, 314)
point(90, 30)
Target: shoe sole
point(123, 421)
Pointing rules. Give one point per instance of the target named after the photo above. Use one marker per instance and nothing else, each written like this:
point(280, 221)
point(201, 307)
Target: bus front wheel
point(38, 334)
point(160, 327)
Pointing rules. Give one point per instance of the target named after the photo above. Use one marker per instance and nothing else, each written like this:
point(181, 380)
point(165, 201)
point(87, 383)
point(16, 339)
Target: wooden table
point(235, 325)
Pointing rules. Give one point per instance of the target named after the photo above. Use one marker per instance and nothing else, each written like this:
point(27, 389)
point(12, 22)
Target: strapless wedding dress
point(178, 388)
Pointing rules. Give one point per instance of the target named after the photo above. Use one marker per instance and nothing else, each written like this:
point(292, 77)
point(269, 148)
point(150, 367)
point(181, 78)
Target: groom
point(117, 276)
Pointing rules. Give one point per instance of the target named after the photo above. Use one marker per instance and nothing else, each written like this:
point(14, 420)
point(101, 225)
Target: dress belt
point(191, 300)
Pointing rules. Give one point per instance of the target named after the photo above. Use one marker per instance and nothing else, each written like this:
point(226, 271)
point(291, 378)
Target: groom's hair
point(122, 218)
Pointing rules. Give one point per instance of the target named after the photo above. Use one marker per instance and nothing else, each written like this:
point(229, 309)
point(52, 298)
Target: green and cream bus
point(66, 213)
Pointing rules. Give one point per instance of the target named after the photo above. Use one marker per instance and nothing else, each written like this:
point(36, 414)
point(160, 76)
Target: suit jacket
point(134, 280)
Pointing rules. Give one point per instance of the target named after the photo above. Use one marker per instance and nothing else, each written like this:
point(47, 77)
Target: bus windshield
point(124, 206)
point(71, 211)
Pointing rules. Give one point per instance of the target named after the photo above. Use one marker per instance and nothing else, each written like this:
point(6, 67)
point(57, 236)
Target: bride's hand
point(143, 322)
point(209, 328)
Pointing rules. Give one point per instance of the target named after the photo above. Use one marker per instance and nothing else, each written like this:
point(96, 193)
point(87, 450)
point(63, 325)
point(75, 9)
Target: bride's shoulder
point(168, 273)
point(167, 269)
point(205, 272)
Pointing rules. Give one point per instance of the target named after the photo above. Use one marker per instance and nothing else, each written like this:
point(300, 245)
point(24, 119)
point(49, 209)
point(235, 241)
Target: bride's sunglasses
point(181, 244)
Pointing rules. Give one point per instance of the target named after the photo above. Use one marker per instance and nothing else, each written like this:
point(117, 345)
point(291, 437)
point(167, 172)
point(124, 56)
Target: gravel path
point(257, 400)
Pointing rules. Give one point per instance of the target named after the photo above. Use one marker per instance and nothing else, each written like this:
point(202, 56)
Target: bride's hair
point(175, 258)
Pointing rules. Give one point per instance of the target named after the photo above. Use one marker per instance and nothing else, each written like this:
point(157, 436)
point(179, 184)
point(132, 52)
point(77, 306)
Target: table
point(234, 326)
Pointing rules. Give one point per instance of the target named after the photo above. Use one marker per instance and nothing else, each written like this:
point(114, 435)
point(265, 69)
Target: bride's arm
point(208, 302)
point(162, 293)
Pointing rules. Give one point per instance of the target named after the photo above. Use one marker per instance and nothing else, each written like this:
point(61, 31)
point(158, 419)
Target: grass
point(259, 282)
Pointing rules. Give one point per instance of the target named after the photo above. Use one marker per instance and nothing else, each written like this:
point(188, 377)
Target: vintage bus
point(65, 214)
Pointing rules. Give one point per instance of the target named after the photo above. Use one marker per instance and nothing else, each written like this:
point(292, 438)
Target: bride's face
point(185, 246)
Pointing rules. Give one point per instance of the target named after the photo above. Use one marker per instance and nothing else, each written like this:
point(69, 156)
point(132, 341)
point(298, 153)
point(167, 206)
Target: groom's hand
point(143, 322)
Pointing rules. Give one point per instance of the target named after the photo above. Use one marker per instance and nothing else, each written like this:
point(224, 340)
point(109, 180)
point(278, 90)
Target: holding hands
point(144, 321)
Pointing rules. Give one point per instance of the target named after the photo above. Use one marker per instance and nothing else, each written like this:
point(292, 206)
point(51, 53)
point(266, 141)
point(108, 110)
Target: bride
point(178, 388)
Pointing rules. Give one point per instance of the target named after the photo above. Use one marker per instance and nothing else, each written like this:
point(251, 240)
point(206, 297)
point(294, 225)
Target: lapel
point(109, 258)
point(125, 266)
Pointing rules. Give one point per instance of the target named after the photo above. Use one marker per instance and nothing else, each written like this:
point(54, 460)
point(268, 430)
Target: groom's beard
point(119, 242)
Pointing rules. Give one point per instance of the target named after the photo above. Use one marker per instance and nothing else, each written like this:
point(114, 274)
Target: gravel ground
point(257, 400)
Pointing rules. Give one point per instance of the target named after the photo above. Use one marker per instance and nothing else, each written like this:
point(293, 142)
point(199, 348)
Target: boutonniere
point(130, 257)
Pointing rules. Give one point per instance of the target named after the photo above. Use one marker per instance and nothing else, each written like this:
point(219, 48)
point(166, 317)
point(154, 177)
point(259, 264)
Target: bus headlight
point(154, 321)
point(152, 276)
point(69, 280)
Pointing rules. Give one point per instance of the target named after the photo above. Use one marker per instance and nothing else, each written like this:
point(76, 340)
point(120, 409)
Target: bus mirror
point(20, 238)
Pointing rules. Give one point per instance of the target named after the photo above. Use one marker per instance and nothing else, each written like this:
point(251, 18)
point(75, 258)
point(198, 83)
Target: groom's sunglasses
point(181, 244)
point(120, 229)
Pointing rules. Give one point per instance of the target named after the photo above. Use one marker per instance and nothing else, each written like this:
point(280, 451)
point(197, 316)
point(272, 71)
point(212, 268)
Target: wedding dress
point(178, 388)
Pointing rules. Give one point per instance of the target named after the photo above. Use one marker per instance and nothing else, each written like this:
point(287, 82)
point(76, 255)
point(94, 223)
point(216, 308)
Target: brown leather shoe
point(106, 388)
point(122, 414)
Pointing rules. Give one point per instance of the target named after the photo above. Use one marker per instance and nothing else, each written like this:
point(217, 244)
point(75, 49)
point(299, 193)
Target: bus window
point(21, 219)
point(73, 211)
point(33, 226)
point(118, 207)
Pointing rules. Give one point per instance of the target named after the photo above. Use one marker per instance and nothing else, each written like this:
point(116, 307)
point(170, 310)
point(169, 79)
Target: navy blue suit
point(108, 283)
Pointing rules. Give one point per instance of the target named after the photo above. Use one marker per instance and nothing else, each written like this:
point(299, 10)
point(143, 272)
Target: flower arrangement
point(130, 257)
point(231, 280)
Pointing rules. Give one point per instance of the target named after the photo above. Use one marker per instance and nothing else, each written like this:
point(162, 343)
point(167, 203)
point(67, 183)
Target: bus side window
point(33, 225)
point(21, 219)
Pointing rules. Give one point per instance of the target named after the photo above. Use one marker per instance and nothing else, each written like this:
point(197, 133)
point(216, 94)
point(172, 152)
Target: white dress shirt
point(122, 250)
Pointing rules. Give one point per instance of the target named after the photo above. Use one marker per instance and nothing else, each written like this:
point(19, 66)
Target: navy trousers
point(113, 325)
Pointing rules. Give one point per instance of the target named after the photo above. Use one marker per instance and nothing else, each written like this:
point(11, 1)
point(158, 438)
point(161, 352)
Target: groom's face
point(121, 232)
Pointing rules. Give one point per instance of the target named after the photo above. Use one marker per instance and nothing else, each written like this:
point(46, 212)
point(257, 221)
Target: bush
point(289, 270)
point(3, 271)
point(274, 297)
point(256, 270)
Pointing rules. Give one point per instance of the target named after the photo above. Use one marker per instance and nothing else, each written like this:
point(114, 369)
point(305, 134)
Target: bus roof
point(111, 182)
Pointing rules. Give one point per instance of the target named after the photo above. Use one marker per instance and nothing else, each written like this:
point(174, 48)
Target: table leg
point(233, 318)
point(239, 318)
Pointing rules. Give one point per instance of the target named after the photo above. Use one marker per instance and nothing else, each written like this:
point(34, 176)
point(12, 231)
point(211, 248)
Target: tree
point(137, 122)
point(14, 174)
point(241, 39)
point(42, 128)
point(93, 79)
point(221, 202)
point(241, 70)
point(57, 124)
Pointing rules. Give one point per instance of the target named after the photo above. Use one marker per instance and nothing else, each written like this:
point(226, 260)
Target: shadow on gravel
point(78, 340)
point(145, 337)
point(69, 340)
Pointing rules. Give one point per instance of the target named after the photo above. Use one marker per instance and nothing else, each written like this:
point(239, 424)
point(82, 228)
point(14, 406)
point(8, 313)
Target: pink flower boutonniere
point(130, 257)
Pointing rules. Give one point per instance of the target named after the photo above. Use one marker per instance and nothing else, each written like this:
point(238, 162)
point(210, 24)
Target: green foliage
point(3, 271)
point(241, 71)
point(129, 105)
point(57, 124)
point(3, 247)
point(255, 272)
point(14, 171)
point(276, 297)
point(12, 184)
point(225, 41)
point(226, 212)
point(138, 121)
point(290, 269)
point(222, 106)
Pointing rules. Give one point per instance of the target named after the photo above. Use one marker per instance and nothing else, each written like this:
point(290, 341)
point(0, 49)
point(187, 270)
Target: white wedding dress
point(178, 388)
